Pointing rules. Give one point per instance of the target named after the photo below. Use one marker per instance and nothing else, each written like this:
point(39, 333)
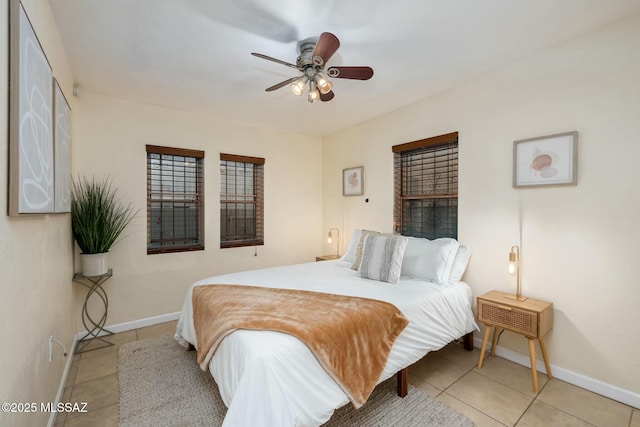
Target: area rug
point(162, 385)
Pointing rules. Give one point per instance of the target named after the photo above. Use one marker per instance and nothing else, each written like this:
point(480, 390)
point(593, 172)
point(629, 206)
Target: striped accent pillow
point(360, 247)
point(382, 257)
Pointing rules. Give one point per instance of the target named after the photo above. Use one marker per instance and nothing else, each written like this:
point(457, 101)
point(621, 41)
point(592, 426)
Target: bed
point(268, 378)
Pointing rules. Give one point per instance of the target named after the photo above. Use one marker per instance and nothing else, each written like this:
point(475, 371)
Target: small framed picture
point(546, 160)
point(352, 181)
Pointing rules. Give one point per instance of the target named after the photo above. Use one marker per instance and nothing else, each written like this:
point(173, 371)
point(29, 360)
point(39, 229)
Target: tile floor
point(499, 394)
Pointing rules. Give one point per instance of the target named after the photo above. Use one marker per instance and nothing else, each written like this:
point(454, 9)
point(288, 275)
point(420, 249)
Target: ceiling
point(194, 55)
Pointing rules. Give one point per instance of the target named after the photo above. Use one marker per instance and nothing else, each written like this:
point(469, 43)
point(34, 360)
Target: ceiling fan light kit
point(297, 87)
point(324, 85)
point(313, 92)
point(313, 56)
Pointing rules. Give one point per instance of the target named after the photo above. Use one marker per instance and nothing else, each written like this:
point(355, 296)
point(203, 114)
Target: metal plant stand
point(95, 329)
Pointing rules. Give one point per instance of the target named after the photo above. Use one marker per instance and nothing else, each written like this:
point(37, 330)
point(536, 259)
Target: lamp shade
point(512, 262)
point(298, 86)
point(330, 239)
point(323, 85)
point(514, 269)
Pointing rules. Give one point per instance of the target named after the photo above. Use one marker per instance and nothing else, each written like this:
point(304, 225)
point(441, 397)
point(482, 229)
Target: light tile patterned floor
point(499, 394)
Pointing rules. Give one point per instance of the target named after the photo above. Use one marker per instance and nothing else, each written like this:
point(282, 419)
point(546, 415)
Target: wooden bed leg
point(191, 347)
point(403, 382)
point(468, 341)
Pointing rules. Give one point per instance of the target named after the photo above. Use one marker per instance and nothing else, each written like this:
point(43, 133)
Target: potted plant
point(97, 219)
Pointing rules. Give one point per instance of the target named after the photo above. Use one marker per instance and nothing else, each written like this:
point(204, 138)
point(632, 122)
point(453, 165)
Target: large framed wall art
point(61, 149)
point(31, 158)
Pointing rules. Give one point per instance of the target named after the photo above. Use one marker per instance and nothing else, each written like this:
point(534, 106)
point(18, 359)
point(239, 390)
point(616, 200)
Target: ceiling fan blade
point(268, 58)
point(355, 73)
point(325, 48)
point(327, 96)
point(281, 84)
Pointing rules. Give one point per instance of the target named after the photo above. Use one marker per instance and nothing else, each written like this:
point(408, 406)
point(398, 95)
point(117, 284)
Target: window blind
point(175, 207)
point(426, 187)
point(241, 200)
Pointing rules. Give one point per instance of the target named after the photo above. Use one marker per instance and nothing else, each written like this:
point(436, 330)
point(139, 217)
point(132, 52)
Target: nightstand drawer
point(513, 319)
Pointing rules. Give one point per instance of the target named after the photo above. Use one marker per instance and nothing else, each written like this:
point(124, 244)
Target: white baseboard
point(117, 328)
point(613, 392)
point(135, 324)
point(63, 381)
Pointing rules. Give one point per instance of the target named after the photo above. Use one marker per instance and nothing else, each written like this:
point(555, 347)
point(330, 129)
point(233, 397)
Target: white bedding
point(272, 379)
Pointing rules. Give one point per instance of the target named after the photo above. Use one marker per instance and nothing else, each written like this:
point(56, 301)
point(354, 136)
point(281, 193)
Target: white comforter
point(272, 379)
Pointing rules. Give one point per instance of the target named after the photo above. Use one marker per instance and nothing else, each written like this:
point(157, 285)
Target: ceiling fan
point(313, 55)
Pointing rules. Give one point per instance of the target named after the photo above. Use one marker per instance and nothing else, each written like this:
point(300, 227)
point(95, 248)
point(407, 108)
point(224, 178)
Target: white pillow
point(350, 254)
point(429, 259)
point(382, 257)
point(460, 263)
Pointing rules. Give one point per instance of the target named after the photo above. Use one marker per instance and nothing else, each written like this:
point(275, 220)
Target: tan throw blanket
point(351, 337)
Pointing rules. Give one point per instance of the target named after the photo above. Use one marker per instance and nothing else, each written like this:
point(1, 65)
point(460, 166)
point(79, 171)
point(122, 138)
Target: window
point(426, 187)
point(175, 207)
point(241, 201)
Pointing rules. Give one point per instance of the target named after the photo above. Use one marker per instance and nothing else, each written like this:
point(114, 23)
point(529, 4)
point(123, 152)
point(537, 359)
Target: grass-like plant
point(97, 216)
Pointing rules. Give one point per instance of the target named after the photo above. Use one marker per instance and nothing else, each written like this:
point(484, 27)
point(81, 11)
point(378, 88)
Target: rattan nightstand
point(327, 257)
point(532, 318)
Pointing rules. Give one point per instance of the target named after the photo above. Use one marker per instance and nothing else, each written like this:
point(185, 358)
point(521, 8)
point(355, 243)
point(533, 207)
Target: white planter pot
point(94, 264)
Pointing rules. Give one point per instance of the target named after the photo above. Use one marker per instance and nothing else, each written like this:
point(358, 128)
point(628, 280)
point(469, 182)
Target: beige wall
point(578, 243)
point(35, 260)
point(111, 135)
